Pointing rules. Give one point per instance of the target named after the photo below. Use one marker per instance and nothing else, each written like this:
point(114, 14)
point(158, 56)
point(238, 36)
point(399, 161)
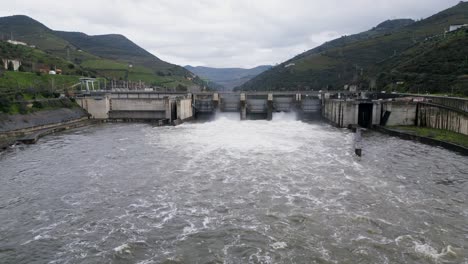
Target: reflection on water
point(227, 191)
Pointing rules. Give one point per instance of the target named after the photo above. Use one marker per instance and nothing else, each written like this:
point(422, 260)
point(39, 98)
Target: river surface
point(231, 192)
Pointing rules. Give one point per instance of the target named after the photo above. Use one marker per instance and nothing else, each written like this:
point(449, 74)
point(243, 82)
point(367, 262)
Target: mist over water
point(226, 191)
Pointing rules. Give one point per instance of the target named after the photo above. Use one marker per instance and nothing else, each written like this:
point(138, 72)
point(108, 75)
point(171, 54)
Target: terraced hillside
point(362, 59)
point(110, 56)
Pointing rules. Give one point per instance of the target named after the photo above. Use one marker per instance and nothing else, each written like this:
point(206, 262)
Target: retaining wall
point(434, 116)
point(401, 113)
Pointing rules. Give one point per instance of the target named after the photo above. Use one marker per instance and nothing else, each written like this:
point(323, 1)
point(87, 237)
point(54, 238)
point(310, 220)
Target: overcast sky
point(222, 33)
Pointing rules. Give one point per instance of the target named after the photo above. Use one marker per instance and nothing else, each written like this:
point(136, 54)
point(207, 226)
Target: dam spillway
point(277, 191)
point(170, 107)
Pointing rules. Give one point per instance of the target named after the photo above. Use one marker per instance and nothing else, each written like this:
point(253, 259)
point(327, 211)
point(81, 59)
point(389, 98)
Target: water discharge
point(227, 191)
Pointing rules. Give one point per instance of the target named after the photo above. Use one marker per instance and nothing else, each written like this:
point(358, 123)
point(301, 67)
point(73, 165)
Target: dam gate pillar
point(243, 107)
point(270, 107)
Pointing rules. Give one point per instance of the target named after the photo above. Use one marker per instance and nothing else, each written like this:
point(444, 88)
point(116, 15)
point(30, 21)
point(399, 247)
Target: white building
point(456, 27)
point(14, 42)
point(16, 64)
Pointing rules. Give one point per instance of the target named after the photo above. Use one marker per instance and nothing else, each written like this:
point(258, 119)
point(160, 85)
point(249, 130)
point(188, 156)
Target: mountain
point(363, 58)
point(112, 56)
point(227, 77)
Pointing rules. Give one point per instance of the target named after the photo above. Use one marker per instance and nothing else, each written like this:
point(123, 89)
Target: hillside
point(111, 56)
point(228, 78)
point(361, 58)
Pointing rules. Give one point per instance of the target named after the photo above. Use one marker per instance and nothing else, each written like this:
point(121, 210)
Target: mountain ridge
point(358, 58)
point(228, 78)
point(113, 56)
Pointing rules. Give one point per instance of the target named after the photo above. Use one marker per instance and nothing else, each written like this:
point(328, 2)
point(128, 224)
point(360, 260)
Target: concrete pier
point(270, 107)
point(215, 102)
point(243, 107)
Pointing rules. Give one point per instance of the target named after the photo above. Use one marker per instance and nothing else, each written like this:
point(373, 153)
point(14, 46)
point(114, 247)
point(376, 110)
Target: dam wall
point(342, 113)
point(184, 109)
point(403, 112)
point(440, 117)
point(399, 113)
point(137, 106)
point(98, 107)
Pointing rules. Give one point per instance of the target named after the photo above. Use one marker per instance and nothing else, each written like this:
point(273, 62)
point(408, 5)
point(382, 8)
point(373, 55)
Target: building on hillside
point(15, 42)
point(16, 64)
point(351, 87)
point(457, 27)
point(58, 71)
point(43, 69)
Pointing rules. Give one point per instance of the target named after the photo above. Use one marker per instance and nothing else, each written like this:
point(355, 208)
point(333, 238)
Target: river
point(227, 191)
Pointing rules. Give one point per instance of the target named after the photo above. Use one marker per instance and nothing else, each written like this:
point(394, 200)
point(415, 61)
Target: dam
point(179, 107)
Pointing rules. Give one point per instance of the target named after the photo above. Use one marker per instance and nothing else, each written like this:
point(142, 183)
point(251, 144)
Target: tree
point(21, 68)
point(11, 67)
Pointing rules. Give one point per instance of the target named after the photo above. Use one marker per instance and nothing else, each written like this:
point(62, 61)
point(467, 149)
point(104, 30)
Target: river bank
point(436, 137)
point(30, 127)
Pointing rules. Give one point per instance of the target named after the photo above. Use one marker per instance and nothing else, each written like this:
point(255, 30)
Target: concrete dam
point(339, 108)
point(173, 108)
point(231, 191)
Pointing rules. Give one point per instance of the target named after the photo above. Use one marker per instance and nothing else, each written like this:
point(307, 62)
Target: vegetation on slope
point(110, 56)
point(361, 59)
point(433, 66)
point(438, 134)
point(227, 78)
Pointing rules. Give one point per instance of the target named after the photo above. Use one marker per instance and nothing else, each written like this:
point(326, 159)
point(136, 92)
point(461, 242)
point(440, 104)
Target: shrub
point(38, 105)
point(11, 67)
point(23, 108)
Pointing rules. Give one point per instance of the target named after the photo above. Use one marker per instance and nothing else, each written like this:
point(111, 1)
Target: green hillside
point(362, 58)
point(110, 56)
point(438, 65)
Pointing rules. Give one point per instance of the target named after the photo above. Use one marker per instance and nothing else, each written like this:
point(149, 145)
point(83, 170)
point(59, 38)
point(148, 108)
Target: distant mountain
point(112, 56)
point(227, 77)
point(375, 59)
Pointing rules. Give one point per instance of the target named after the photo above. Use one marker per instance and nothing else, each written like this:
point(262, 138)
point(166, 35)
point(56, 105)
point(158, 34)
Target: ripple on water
point(235, 192)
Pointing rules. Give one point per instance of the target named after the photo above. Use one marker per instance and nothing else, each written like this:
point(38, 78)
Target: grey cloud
point(224, 33)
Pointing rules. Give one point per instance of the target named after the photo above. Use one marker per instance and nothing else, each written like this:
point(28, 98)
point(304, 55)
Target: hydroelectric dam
point(236, 190)
point(178, 107)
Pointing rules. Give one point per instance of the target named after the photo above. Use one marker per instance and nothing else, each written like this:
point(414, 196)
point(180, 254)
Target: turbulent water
point(231, 192)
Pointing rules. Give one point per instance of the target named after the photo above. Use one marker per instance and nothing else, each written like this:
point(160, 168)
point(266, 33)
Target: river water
point(231, 192)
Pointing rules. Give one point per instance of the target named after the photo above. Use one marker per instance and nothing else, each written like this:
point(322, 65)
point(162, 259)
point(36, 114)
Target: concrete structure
point(16, 64)
point(366, 113)
point(97, 106)
point(442, 117)
point(447, 114)
point(176, 107)
point(184, 109)
point(243, 107)
point(172, 106)
point(257, 105)
point(456, 27)
point(88, 84)
point(399, 113)
point(137, 106)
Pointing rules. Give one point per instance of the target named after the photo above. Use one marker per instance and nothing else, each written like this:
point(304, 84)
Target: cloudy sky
point(222, 33)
